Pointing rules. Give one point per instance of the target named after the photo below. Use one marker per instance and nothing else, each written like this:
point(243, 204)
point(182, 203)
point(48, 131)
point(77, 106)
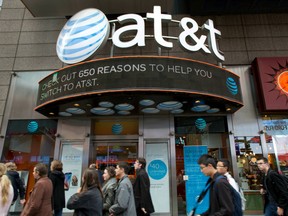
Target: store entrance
point(195, 136)
point(110, 152)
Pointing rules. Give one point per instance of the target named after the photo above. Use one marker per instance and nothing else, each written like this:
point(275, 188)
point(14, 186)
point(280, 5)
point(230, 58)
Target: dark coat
point(141, 189)
point(108, 191)
point(58, 178)
point(39, 203)
point(277, 188)
point(17, 183)
point(87, 203)
point(221, 203)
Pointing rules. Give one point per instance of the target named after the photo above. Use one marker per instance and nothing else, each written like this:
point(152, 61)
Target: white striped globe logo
point(82, 36)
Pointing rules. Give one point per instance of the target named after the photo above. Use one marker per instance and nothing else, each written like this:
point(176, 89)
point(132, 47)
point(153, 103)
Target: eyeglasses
point(260, 163)
point(221, 166)
point(202, 167)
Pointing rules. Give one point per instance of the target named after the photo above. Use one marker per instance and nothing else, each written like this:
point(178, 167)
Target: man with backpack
point(276, 188)
point(223, 168)
point(221, 198)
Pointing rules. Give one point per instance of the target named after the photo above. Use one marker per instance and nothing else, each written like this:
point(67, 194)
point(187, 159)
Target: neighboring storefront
point(163, 106)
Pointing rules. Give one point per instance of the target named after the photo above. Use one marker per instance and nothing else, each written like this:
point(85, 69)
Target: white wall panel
point(245, 120)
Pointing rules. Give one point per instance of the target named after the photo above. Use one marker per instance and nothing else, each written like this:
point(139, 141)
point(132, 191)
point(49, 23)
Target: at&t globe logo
point(82, 36)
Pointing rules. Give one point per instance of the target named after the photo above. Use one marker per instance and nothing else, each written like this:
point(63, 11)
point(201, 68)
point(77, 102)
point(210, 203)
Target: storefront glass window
point(277, 143)
point(208, 134)
point(109, 153)
point(248, 149)
point(28, 142)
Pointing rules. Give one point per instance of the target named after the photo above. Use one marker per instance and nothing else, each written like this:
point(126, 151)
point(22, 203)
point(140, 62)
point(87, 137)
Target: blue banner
point(196, 180)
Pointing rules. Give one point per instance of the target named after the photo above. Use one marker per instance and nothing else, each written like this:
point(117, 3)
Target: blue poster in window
point(196, 179)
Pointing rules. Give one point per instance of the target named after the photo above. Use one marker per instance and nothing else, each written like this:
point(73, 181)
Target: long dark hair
point(90, 179)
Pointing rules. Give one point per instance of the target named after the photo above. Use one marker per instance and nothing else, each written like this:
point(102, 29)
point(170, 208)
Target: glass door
point(110, 152)
point(192, 134)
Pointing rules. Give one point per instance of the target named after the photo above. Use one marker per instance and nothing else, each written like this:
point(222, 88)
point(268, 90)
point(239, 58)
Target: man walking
point(276, 189)
point(40, 201)
point(220, 194)
point(124, 203)
point(143, 201)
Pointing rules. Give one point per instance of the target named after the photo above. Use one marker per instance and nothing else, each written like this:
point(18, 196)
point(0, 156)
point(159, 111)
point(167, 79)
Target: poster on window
point(158, 171)
point(72, 155)
point(196, 179)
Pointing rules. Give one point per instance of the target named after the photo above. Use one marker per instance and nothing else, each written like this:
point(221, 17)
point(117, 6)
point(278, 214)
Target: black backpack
point(236, 198)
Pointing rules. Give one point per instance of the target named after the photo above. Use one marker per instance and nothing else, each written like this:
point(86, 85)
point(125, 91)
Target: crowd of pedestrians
point(110, 193)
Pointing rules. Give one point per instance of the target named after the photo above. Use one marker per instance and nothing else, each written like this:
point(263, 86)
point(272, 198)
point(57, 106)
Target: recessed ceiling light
point(124, 106)
point(102, 111)
point(146, 102)
point(150, 110)
point(177, 111)
point(213, 110)
point(76, 105)
point(124, 112)
point(51, 113)
point(228, 109)
point(64, 114)
point(200, 108)
point(169, 105)
point(106, 104)
point(74, 110)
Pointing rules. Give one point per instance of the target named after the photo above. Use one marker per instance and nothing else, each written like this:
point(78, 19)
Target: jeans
point(58, 212)
point(270, 209)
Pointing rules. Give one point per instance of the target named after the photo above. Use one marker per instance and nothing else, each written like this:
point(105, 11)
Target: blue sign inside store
point(196, 180)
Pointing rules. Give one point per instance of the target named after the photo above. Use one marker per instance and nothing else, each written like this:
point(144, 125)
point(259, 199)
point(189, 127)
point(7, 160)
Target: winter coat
point(86, 203)
point(40, 201)
point(124, 204)
point(221, 203)
point(277, 188)
point(142, 194)
point(17, 183)
point(108, 195)
point(58, 178)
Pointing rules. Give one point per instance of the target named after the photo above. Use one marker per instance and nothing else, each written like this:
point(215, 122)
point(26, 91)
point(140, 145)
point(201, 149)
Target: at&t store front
point(104, 110)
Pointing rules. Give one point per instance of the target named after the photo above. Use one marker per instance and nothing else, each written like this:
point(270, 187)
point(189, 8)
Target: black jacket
point(88, 203)
point(17, 183)
point(277, 188)
point(57, 178)
point(141, 189)
point(220, 198)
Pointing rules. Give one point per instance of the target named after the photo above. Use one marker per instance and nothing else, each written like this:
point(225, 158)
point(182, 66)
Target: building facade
point(160, 117)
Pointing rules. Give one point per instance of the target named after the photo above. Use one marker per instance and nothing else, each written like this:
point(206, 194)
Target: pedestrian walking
point(6, 191)
point(16, 181)
point(141, 187)
point(88, 199)
point(40, 201)
point(108, 189)
point(276, 189)
point(124, 204)
point(220, 194)
point(58, 178)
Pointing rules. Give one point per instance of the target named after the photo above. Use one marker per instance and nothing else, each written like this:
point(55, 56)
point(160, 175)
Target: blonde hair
point(4, 183)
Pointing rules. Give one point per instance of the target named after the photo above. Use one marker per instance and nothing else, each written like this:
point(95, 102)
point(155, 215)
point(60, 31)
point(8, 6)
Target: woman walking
point(57, 177)
point(88, 200)
point(108, 189)
point(6, 191)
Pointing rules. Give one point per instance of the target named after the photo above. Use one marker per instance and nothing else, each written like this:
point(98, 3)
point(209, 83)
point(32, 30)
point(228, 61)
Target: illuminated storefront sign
point(176, 77)
point(89, 29)
point(271, 79)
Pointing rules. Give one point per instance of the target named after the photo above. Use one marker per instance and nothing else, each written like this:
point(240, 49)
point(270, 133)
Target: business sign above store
point(271, 81)
point(180, 80)
point(89, 29)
